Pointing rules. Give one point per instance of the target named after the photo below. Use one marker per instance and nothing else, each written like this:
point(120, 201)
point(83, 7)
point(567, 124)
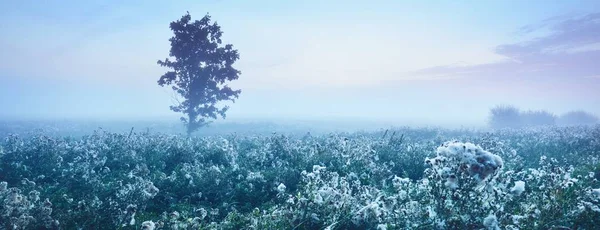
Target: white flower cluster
point(466, 158)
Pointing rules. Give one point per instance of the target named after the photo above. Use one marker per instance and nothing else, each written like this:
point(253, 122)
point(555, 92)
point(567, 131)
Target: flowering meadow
point(404, 178)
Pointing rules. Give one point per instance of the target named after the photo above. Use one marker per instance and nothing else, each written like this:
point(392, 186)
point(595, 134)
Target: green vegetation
point(375, 180)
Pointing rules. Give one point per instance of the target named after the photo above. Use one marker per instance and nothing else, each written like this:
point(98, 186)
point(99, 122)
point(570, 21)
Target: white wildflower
point(281, 188)
point(491, 222)
point(148, 225)
point(596, 193)
point(518, 188)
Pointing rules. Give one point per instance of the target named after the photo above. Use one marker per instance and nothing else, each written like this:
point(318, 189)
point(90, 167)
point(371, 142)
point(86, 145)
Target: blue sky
point(406, 61)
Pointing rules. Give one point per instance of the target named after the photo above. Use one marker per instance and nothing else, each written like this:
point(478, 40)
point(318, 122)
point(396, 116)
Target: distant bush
point(505, 116)
point(508, 116)
point(578, 117)
point(537, 118)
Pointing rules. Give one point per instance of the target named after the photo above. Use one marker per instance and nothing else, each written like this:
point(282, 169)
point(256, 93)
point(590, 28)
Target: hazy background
point(398, 62)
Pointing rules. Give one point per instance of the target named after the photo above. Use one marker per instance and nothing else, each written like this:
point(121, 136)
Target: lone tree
point(199, 69)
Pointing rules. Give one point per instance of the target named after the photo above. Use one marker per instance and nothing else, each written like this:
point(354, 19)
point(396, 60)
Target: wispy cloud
point(570, 50)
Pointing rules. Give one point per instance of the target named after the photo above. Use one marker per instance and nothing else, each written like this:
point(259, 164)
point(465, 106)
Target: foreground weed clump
point(540, 178)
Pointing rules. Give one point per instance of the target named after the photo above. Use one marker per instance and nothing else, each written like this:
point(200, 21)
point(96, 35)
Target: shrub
point(508, 116)
point(537, 118)
point(578, 117)
point(505, 116)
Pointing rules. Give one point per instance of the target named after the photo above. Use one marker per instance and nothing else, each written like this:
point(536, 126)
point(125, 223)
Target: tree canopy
point(199, 69)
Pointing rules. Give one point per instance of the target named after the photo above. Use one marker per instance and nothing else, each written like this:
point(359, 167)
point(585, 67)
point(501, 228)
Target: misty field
point(534, 178)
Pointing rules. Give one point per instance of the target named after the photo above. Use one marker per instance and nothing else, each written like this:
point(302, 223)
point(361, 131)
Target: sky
point(407, 62)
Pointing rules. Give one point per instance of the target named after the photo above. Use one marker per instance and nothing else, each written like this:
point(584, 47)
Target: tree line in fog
point(508, 116)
